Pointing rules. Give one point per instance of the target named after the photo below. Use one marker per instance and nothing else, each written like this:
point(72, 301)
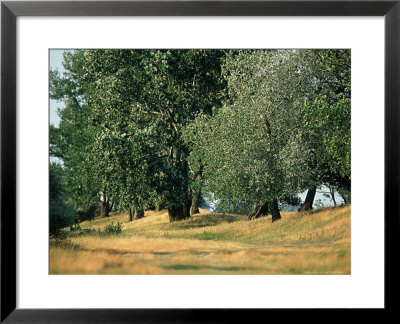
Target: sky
point(56, 58)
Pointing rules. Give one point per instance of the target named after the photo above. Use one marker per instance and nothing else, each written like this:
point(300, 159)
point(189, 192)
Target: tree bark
point(104, 209)
point(186, 207)
point(139, 213)
point(177, 213)
point(196, 195)
point(135, 213)
point(180, 212)
point(158, 208)
point(332, 191)
point(130, 214)
point(258, 211)
point(109, 207)
point(194, 209)
point(307, 205)
point(276, 215)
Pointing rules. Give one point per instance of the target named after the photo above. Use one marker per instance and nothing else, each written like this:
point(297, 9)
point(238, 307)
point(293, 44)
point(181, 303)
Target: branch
point(150, 112)
point(198, 173)
point(126, 135)
point(289, 130)
point(192, 142)
point(191, 170)
point(267, 124)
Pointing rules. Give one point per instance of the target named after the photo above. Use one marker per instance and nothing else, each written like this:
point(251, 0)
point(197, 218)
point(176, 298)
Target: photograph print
point(200, 161)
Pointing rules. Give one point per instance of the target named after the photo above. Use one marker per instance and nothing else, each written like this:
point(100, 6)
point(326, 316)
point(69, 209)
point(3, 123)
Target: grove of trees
point(149, 128)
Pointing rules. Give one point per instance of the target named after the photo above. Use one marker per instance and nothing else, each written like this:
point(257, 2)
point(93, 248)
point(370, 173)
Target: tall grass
point(209, 243)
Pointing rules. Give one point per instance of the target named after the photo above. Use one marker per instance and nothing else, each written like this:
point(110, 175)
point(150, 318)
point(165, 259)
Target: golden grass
point(210, 243)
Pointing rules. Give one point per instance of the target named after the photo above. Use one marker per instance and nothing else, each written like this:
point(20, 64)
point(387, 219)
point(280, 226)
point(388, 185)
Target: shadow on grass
point(321, 209)
point(213, 236)
point(164, 253)
point(206, 220)
point(63, 244)
point(195, 267)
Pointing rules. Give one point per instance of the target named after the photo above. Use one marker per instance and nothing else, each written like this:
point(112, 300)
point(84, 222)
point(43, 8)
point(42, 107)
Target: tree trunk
point(179, 213)
point(139, 213)
point(131, 213)
point(186, 207)
point(135, 213)
point(332, 191)
point(345, 194)
point(258, 211)
point(103, 209)
point(176, 213)
point(344, 197)
point(109, 208)
point(307, 205)
point(194, 209)
point(158, 208)
point(275, 211)
point(196, 195)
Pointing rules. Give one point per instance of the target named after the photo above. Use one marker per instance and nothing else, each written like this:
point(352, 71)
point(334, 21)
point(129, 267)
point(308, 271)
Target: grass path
point(209, 243)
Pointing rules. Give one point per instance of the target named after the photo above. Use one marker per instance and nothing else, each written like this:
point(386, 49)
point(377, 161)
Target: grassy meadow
point(316, 242)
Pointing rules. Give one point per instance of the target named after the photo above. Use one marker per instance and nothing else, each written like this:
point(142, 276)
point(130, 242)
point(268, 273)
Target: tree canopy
point(148, 127)
point(137, 103)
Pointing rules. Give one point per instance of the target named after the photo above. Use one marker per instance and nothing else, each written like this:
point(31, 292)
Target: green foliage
point(346, 195)
point(61, 211)
point(74, 227)
point(89, 213)
point(285, 127)
point(332, 123)
point(113, 229)
point(327, 119)
point(143, 127)
point(203, 203)
point(226, 205)
point(291, 200)
point(251, 148)
point(319, 203)
point(73, 140)
point(132, 107)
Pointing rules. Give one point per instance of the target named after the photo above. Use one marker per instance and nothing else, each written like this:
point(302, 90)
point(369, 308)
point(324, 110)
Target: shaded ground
point(209, 243)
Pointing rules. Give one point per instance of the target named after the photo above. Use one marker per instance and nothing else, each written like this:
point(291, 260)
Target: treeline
point(147, 128)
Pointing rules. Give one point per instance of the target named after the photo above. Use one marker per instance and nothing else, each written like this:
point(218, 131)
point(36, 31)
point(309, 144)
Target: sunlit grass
point(209, 243)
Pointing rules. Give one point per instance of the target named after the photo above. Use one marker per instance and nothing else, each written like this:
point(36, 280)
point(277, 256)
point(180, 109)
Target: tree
point(72, 141)
point(326, 119)
point(61, 211)
point(251, 147)
point(138, 103)
point(196, 187)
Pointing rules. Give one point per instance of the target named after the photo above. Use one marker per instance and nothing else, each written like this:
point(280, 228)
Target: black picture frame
point(10, 10)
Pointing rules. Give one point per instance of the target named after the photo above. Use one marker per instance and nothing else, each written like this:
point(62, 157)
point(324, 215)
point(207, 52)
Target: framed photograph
point(189, 161)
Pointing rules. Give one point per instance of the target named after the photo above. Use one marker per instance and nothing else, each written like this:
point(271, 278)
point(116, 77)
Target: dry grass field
point(208, 243)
